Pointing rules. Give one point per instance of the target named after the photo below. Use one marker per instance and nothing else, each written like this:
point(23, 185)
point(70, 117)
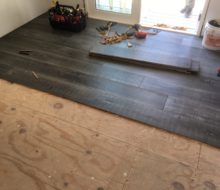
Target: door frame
point(132, 18)
point(203, 18)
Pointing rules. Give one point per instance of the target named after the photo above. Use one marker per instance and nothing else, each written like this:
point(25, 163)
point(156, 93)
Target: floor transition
point(50, 143)
point(59, 63)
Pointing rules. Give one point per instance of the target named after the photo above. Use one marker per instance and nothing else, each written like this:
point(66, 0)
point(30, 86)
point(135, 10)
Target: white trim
point(132, 18)
point(203, 18)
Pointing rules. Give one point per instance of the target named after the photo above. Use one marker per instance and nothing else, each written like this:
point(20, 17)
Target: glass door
point(117, 6)
point(124, 11)
point(185, 16)
point(175, 15)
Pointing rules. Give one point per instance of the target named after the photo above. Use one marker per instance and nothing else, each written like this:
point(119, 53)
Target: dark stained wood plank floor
point(184, 104)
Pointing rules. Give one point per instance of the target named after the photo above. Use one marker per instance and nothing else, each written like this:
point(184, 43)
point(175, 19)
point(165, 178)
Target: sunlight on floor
point(168, 13)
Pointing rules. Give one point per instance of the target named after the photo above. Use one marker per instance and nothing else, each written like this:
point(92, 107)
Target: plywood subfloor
point(59, 64)
point(49, 143)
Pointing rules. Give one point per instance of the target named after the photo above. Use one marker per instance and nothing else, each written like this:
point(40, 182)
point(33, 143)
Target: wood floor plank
point(202, 94)
point(85, 42)
point(74, 64)
point(143, 57)
point(154, 99)
point(194, 109)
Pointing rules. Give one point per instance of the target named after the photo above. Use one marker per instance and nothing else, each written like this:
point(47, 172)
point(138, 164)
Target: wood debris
point(130, 44)
point(108, 37)
point(117, 38)
point(35, 75)
point(171, 27)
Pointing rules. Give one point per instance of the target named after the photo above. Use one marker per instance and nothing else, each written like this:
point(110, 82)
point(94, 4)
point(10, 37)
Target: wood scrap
point(171, 27)
point(109, 28)
point(117, 38)
point(162, 25)
point(179, 28)
point(130, 44)
point(105, 29)
point(107, 38)
point(35, 75)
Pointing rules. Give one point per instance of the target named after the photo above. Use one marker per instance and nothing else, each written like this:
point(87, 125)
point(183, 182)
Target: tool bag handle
point(71, 7)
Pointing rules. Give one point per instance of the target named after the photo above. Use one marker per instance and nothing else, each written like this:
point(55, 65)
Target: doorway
point(171, 15)
point(152, 13)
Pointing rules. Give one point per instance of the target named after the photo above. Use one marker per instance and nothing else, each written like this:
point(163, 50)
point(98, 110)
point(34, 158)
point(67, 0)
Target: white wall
point(213, 11)
point(14, 13)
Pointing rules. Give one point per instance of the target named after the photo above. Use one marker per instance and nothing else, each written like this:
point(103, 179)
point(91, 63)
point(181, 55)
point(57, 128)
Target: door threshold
point(170, 29)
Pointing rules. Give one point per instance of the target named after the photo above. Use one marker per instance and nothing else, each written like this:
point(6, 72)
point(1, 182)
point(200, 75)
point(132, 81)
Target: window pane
point(119, 6)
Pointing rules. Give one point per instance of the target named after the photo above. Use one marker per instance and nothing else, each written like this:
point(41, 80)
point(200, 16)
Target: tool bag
point(68, 18)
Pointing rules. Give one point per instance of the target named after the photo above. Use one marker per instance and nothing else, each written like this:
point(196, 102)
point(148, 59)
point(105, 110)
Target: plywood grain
point(144, 138)
point(49, 143)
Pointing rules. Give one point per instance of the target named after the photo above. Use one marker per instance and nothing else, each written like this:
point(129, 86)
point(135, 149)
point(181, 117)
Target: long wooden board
point(145, 58)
